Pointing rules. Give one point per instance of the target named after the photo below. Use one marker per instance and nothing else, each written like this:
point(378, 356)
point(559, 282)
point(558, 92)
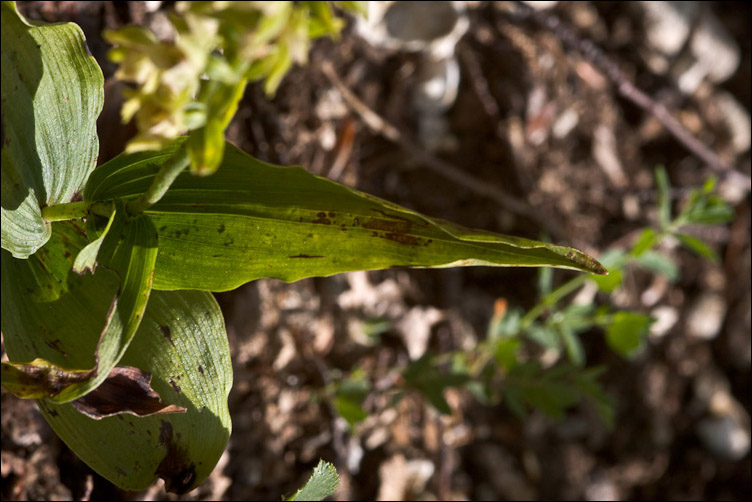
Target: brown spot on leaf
point(165, 432)
point(384, 225)
point(322, 219)
point(175, 469)
point(167, 333)
point(57, 346)
point(305, 256)
point(174, 386)
point(409, 240)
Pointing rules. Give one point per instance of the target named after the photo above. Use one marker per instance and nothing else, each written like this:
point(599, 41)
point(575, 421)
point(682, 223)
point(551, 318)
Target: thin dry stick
point(480, 84)
point(631, 92)
point(442, 167)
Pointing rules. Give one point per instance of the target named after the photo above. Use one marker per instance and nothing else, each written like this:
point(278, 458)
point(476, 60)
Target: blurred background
point(484, 114)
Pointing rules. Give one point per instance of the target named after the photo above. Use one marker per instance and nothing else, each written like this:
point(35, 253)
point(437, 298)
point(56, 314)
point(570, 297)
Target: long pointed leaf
point(252, 219)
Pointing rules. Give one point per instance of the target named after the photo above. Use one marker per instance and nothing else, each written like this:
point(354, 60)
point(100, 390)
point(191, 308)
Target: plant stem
point(162, 181)
point(552, 299)
point(75, 210)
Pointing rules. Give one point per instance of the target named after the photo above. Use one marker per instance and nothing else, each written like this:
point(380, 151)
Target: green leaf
point(647, 240)
point(322, 483)
point(614, 260)
point(572, 345)
point(586, 382)
point(52, 93)
point(206, 146)
point(505, 352)
point(627, 331)
point(545, 281)
point(251, 220)
point(704, 209)
point(709, 185)
point(555, 390)
point(423, 376)
point(349, 396)
point(608, 283)
point(698, 246)
point(183, 343)
point(549, 390)
point(543, 336)
point(357, 7)
point(505, 321)
point(659, 263)
point(49, 311)
point(129, 249)
point(321, 19)
point(87, 257)
point(78, 322)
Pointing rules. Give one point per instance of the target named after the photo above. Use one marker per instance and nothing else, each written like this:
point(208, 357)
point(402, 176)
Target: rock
point(724, 436)
point(403, 479)
point(737, 120)
point(665, 319)
point(706, 316)
point(565, 123)
point(601, 487)
point(714, 48)
point(431, 29)
point(725, 429)
point(713, 55)
point(667, 26)
point(541, 4)
point(415, 329)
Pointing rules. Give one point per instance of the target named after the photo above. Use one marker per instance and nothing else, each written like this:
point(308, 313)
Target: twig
point(442, 167)
point(627, 89)
point(344, 149)
point(480, 84)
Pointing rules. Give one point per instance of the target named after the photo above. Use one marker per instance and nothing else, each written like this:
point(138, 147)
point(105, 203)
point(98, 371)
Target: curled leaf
point(182, 343)
point(39, 378)
point(126, 390)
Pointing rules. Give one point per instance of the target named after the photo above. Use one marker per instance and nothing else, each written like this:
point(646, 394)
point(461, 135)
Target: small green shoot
point(322, 484)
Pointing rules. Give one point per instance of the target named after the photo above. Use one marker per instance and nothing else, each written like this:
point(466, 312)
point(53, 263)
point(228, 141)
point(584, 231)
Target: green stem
point(162, 181)
point(552, 299)
point(75, 210)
